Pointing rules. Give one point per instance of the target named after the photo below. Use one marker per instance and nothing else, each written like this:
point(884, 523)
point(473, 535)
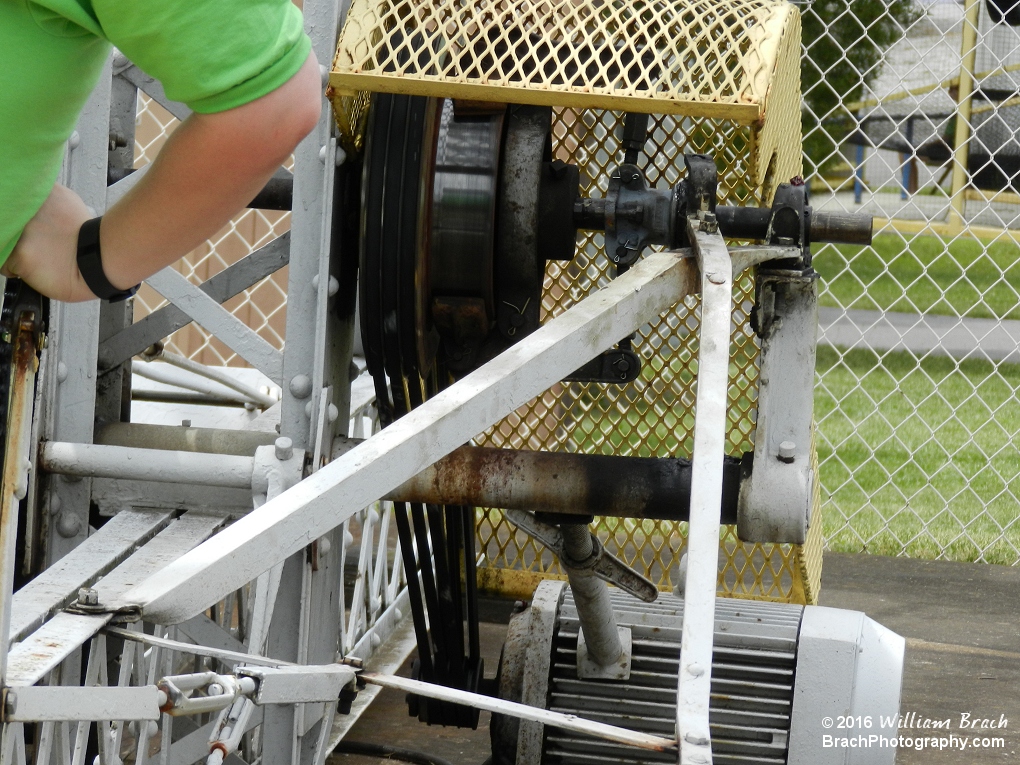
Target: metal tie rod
point(694, 682)
point(439, 692)
point(522, 711)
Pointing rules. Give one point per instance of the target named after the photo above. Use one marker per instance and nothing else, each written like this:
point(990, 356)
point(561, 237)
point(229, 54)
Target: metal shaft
point(591, 596)
point(559, 482)
point(550, 482)
point(158, 465)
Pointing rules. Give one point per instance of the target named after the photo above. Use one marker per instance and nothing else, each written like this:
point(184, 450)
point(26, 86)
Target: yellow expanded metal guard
point(720, 77)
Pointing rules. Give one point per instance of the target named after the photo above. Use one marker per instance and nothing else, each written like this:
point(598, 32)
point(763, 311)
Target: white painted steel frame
point(326, 499)
point(695, 677)
point(234, 333)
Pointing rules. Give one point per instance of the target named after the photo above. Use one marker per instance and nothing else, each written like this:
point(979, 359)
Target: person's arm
point(208, 169)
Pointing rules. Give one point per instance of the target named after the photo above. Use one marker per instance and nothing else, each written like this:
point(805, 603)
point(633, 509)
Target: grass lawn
point(921, 458)
point(916, 458)
point(923, 274)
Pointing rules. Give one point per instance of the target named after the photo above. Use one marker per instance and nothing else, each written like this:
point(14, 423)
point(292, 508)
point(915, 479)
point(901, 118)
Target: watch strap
point(90, 264)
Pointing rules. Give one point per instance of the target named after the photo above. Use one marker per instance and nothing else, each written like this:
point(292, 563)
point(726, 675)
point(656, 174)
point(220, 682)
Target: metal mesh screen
point(653, 416)
point(702, 58)
point(736, 99)
point(910, 113)
point(262, 307)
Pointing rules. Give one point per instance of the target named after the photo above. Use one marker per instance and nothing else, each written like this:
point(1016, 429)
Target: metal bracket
point(589, 669)
point(635, 216)
point(603, 565)
point(276, 469)
point(775, 499)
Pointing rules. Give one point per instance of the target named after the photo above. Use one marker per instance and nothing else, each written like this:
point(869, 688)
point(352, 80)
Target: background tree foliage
point(845, 41)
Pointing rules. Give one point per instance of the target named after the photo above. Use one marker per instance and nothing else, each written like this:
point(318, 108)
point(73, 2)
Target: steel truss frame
point(204, 595)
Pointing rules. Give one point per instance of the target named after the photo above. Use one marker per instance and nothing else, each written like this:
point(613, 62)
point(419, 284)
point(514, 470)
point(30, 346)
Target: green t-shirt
point(212, 55)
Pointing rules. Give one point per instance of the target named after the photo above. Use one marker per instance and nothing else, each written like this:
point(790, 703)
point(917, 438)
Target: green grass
point(923, 274)
point(916, 458)
point(919, 458)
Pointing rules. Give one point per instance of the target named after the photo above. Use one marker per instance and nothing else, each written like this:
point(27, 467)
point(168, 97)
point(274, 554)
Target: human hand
point(46, 255)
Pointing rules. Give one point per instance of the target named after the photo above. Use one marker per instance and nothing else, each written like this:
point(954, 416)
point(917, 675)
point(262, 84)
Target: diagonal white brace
point(548, 717)
point(326, 499)
point(227, 328)
point(695, 678)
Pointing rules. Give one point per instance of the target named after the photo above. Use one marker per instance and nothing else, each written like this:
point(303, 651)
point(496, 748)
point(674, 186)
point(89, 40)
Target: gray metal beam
point(70, 397)
point(227, 328)
point(226, 284)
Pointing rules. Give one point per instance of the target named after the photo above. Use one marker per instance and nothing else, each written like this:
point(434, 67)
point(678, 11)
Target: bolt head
point(87, 596)
point(787, 452)
point(300, 386)
point(68, 525)
point(284, 448)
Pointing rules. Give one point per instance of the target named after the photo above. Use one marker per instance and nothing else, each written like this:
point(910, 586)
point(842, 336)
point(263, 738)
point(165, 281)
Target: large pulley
point(462, 207)
point(451, 275)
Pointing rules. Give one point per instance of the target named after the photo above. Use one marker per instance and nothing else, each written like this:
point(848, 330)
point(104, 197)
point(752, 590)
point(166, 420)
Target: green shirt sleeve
point(212, 55)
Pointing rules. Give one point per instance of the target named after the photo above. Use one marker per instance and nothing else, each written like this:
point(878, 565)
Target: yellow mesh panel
point(739, 55)
point(669, 56)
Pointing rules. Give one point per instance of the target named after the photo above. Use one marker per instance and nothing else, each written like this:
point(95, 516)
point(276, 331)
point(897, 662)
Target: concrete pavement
point(985, 339)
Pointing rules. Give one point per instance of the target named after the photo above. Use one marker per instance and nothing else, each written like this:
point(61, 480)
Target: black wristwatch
point(90, 264)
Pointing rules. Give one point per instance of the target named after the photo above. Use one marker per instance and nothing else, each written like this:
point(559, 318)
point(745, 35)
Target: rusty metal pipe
point(558, 482)
point(591, 597)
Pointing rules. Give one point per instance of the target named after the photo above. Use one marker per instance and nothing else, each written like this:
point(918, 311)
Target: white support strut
point(695, 677)
point(234, 333)
point(160, 465)
point(326, 499)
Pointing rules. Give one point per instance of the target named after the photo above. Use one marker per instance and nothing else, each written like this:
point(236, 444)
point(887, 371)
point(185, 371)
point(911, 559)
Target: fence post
point(961, 147)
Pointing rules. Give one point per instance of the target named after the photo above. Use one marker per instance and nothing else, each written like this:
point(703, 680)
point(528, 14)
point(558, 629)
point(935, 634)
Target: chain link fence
point(911, 111)
point(263, 307)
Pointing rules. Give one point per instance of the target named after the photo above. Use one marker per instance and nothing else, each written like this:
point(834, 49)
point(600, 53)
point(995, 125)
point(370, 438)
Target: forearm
point(209, 168)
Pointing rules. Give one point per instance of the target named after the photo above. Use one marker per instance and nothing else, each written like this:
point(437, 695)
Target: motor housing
point(778, 671)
